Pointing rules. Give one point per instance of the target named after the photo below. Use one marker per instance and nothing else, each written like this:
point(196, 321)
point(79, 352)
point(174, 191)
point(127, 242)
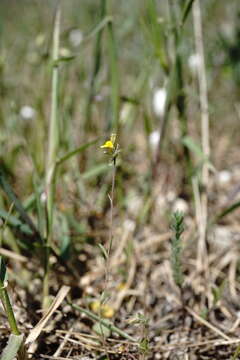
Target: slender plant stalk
point(113, 150)
point(53, 143)
point(111, 198)
point(202, 79)
point(95, 71)
point(105, 323)
point(114, 75)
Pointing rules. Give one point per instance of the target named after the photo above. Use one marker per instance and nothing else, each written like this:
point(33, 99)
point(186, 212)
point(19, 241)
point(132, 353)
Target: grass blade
point(75, 152)
point(18, 205)
point(12, 348)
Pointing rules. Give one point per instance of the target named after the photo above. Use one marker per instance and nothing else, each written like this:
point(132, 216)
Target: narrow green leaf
point(103, 251)
point(18, 205)
point(95, 171)
point(228, 210)
point(3, 271)
point(14, 222)
point(106, 323)
point(193, 146)
point(187, 7)
point(76, 151)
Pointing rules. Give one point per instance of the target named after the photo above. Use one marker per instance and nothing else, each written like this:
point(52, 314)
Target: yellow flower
point(108, 145)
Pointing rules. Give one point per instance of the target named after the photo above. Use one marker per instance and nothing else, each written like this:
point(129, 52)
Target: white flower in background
point(27, 112)
point(129, 225)
point(171, 196)
point(224, 177)
point(65, 52)
point(43, 197)
point(194, 62)
point(159, 101)
point(75, 37)
point(180, 205)
point(125, 113)
point(154, 139)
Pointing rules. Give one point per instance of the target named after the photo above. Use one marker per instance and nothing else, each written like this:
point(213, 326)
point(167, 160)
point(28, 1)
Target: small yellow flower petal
point(105, 310)
point(108, 145)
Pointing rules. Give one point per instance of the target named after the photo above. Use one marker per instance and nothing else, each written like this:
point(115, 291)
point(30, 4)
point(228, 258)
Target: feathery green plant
point(176, 246)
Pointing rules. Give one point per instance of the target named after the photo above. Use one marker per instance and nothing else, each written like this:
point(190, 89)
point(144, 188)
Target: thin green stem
point(53, 139)
point(95, 71)
point(111, 197)
point(53, 144)
point(114, 75)
point(105, 323)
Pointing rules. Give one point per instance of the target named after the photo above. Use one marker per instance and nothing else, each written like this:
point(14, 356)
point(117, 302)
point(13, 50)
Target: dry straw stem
point(202, 79)
point(12, 255)
point(35, 332)
point(207, 324)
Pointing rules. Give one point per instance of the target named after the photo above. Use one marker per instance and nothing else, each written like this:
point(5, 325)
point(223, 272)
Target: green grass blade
point(95, 171)
point(75, 151)
point(18, 205)
point(186, 10)
point(227, 211)
point(12, 348)
point(105, 323)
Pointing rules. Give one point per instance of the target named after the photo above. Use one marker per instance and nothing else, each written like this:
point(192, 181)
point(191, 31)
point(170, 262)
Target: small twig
point(207, 324)
point(62, 344)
